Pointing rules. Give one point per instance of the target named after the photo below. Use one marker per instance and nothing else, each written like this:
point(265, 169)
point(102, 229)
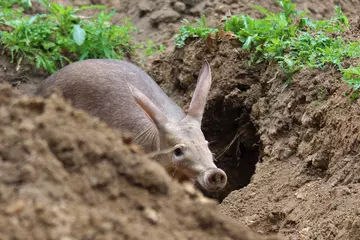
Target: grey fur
point(102, 88)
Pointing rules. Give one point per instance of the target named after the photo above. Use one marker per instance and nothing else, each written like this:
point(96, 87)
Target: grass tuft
point(62, 35)
point(289, 38)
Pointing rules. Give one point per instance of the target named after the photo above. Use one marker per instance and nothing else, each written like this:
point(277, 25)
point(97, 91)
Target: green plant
point(10, 3)
point(152, 48)
point(351, 75)
point(289, 38)
point(200, 29)
point(62, 35)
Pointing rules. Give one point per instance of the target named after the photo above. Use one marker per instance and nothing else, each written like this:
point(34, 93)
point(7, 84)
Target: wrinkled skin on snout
point(182, 145)
point(190, 153)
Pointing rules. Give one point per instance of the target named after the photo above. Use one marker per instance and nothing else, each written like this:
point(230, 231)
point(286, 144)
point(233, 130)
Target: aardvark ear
point(148, 106)
point(198, 101)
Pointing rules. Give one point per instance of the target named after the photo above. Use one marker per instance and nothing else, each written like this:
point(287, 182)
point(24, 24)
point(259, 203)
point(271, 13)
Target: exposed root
point(224, 150)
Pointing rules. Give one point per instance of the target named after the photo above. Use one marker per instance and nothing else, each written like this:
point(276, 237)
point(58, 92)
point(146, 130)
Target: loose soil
point(300, 142)
point(64, 175)
point(291, 153)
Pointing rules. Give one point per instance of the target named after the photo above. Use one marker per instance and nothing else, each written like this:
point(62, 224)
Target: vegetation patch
point(62, 35)
point(287, 37)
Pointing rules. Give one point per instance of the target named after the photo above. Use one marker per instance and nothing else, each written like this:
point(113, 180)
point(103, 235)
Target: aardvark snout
point(213, 179)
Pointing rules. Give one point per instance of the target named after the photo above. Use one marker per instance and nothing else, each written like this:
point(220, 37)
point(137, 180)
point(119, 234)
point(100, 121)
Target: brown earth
point(64, 175)
point(307, 184)
point(290, 153)
point(302, 139)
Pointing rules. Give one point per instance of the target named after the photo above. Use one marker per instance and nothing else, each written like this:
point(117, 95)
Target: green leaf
point(84, 55)
point(33, 19)
point(247, 43)
point(263, 10)
point(45, 3)
point(79, 35)
point(26, 3)
point(48, 45)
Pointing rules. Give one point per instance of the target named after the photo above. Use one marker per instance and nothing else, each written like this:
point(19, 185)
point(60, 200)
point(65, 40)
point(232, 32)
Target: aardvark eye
point(178, 151)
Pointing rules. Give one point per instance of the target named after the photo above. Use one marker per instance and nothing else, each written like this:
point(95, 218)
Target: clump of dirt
point(65, 175)
point(306, 186)
point(305, 136)
point(23, 77)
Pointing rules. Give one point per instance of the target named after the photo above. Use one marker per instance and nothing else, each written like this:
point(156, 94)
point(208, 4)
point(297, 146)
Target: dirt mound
point(303, 140)
point(306, 185)
point(67, 176)
point(291, 154)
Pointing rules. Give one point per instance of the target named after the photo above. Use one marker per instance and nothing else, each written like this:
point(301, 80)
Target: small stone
point(288, 152)
point(145, 7)
point(250, 220)
point(267, 150)
point(293, 142)
point(179, 6)
point(306, 119)
point(198, 9)
point(300, 195)
point(235, 6)
point(320, 163)
point(320, 160)
point(151, 215)
point(308, 134)
point(164, 16)
point(222, 9)
point(305, 233)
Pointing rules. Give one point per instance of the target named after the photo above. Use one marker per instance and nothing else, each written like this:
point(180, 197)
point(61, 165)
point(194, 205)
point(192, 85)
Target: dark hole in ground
point(233, 139)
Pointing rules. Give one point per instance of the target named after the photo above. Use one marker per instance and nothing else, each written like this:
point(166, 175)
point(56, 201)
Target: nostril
point(222, 178)
point(217, 178)
point(214, 178)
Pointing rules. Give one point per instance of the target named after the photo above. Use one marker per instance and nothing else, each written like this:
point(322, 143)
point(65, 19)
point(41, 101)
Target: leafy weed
point(288, 37)
point(62, 35)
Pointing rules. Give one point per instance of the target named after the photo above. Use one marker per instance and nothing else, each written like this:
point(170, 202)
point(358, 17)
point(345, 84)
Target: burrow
point(227, 123)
